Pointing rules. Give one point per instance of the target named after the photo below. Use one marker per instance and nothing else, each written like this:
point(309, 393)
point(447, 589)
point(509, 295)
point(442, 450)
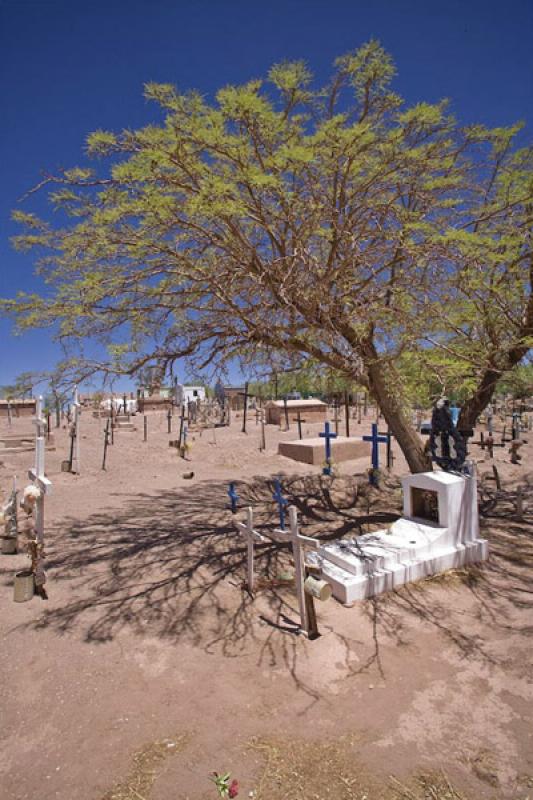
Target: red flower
point(233, 789)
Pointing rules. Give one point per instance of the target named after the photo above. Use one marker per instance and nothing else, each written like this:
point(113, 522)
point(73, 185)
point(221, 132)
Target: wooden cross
point(299, 420)
point(347, 412)
point(336, 416)
point(252, 536)
point(297, 542)
point(245, 395)
point(75, 467)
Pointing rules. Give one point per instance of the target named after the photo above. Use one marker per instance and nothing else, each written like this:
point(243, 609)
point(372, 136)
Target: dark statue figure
point(447, 446)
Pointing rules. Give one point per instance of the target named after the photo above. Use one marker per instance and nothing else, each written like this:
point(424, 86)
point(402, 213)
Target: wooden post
point(182, 420)
point(58, 414)
point(48, 426)
point(145, 426)
point(299, 421)
point(169, 421)
point(245, 407)
point(263, 438)
point(250, 548)
point(347, 413)
point(76, 464)
point(390, 457)
point(336, 417)
point(106, 442)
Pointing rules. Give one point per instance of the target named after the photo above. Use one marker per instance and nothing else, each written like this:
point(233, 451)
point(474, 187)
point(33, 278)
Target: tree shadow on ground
point(172, 565)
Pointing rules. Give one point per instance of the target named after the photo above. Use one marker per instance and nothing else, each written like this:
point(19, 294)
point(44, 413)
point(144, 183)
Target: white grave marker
point(37, 473)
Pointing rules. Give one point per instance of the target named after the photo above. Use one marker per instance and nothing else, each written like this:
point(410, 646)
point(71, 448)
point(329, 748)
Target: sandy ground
point(149, 667)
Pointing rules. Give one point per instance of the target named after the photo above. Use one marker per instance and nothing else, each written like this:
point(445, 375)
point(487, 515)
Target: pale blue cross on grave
point(327, 435)
point(280, 500)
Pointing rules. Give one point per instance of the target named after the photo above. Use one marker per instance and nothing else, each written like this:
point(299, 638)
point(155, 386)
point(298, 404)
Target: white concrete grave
point(439, 530)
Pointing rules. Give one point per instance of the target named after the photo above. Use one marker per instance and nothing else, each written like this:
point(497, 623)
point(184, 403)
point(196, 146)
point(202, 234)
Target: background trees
point(328, 224)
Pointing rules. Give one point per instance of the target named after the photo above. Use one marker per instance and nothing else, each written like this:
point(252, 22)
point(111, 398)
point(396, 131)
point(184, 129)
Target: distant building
point(19, 408)
point(235, 396)
point(164, 397)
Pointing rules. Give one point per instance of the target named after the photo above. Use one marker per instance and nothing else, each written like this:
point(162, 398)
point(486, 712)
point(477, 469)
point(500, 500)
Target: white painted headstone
point(439, 530)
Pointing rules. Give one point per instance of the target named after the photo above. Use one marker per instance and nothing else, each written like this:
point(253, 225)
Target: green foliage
point(330, 224)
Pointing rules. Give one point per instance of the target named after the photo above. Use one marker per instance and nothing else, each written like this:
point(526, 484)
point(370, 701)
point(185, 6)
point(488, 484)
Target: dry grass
point(146, 765)
point(292, 770)
point(426, 787)
point(330, 771)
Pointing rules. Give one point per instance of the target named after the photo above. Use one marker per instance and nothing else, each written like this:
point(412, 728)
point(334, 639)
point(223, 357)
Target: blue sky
point(71, 66)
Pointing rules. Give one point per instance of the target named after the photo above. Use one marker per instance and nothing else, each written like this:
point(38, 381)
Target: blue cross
point(233, 496)
point(280, 500)
point(327, 435)
point(375, 439)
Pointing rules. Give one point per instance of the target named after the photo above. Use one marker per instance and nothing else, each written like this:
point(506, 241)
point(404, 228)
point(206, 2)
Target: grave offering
point(312, 410)
point(439, 530)
point(8, 517)
point(33, 504)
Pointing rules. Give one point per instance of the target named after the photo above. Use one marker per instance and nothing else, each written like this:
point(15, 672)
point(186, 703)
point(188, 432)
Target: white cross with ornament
point(37, 473)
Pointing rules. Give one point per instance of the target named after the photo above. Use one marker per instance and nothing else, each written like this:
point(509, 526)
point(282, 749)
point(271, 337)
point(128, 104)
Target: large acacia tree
point(329, 224)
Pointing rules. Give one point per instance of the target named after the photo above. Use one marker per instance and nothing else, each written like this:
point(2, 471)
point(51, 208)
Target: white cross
point(37, 473)
point(296, 539)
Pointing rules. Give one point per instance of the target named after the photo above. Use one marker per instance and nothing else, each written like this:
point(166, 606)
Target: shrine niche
point(424, 504)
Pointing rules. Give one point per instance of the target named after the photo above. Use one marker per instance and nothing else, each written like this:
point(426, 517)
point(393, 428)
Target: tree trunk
point(479, 400)
point(388, 400)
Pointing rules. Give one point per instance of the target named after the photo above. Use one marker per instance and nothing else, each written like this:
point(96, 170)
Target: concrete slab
point(313, 451)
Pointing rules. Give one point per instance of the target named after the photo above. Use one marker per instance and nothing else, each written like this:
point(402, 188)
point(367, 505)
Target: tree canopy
point(327, 223)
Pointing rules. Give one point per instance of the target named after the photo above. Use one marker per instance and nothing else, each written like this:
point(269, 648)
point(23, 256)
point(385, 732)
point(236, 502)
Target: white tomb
point(439, 530)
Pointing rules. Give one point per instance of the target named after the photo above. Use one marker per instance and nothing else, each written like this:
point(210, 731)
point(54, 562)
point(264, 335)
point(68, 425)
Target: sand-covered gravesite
point(150, 666)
